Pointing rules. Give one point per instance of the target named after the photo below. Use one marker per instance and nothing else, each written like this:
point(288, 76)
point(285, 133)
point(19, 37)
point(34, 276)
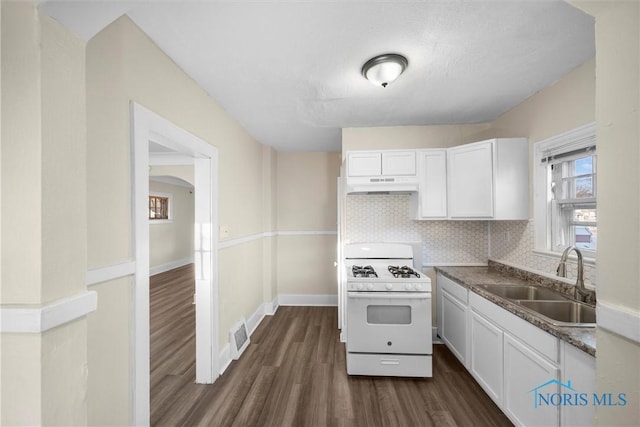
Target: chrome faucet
point(580, 292)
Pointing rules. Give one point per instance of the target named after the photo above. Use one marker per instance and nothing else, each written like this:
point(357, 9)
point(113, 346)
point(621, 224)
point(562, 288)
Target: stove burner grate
point(366, 271)
point(403, 272)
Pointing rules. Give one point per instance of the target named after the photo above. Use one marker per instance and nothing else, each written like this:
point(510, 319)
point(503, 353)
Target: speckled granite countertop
point(496, 273)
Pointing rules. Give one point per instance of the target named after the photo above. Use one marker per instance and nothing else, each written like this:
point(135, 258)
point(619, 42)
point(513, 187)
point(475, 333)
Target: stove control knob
point(370, 286)
point(417, 286)
point(360, 286)
point(407, 286)
point(389, 286)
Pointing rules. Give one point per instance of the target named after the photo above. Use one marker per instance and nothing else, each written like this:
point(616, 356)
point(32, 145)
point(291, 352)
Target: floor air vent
point(238, 339)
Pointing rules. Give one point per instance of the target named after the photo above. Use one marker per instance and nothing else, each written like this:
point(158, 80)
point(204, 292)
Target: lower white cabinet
point(578, 368)
point(454, 325)
point(527, 376)
point(452, 305)
point(521, 367)
point(485, 357)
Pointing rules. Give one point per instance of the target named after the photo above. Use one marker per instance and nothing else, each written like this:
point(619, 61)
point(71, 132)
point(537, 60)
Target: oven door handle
point(388, 295)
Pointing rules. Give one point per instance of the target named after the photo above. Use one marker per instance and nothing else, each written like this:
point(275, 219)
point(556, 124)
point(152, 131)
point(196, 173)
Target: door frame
point(145, 126)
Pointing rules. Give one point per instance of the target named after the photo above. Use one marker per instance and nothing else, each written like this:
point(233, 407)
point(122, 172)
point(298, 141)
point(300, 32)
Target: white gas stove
point(388, 312)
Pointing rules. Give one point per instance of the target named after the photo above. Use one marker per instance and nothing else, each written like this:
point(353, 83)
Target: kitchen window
point(566, 192)
point(160, 207)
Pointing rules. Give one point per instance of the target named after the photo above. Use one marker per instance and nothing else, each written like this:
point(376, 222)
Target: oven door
point(385, 322)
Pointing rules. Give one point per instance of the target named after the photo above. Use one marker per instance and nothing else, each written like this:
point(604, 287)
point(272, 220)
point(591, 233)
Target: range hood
point(382, 184)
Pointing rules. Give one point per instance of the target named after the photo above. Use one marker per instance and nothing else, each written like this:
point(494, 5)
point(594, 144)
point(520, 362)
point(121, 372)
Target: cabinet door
point(433, 184)
point(528, 379)
point(470, 180)
point(364, 163)
point(454, 326)
point(485, 355)
point(396, 163)
point(579, 368)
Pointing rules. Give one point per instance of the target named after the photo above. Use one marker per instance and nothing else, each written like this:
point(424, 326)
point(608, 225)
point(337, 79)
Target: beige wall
point(170, 242)
point(618, 133)
point(307, 202)
point(306, 197)
point(566, 104)
point(398, 137)
point(43, 375)
point(124, 65)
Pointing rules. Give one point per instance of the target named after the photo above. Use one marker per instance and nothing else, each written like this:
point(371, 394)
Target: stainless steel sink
point(524, 292)
point(564, 313)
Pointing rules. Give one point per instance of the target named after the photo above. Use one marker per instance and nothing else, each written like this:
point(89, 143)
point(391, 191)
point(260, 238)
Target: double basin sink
point(552, 306)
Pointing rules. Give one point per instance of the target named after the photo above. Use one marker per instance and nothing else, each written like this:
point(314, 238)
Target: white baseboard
point(169, 266)
point(269, 309)
point(224, 359)
point(308, 300)
point(434, 336)
point(265, 309)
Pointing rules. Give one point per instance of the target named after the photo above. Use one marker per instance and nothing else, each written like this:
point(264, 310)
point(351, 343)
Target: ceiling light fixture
point(384, 69)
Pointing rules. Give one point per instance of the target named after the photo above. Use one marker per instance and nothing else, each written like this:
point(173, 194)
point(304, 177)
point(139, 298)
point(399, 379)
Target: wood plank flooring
point(293, 374)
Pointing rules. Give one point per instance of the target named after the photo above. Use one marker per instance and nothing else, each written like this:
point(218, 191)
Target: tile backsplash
point(513, 242)
point(386, 218)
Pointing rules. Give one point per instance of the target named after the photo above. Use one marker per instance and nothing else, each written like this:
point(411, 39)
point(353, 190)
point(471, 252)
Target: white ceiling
point(289, 71)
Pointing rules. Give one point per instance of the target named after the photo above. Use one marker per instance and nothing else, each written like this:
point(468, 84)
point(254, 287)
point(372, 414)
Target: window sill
point(572, 256)
point(160, 221)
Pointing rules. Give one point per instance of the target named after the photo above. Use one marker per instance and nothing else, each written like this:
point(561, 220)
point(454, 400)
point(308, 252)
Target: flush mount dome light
point(384, 69)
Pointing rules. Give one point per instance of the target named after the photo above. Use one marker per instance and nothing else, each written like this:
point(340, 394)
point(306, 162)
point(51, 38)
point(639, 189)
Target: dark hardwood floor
point(293, 374)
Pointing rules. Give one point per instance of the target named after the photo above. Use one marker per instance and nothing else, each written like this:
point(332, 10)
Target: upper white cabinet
point(489, 179)
point(365, 163)
point(431, 200)
point(381, 163)
point(398, 163)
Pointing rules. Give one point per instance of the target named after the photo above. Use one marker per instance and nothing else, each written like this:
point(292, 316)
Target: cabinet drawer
point(401, 365)
point(458, 291)
point(544, 343)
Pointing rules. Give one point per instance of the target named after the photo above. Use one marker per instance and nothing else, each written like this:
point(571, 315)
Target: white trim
point(557, 255)
point(619, 320)
point(265, 309)
point(308, 300)
point(38, 320)
point(308, 233)
point(170, 266)
point(434, 336)
point(224, 244)
point(573, 139)
point(224, 359)
point(170, 159)
point(146, 126)
point(111, 272)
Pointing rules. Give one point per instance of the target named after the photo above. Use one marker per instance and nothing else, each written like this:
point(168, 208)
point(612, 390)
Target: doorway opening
point(185, 149)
